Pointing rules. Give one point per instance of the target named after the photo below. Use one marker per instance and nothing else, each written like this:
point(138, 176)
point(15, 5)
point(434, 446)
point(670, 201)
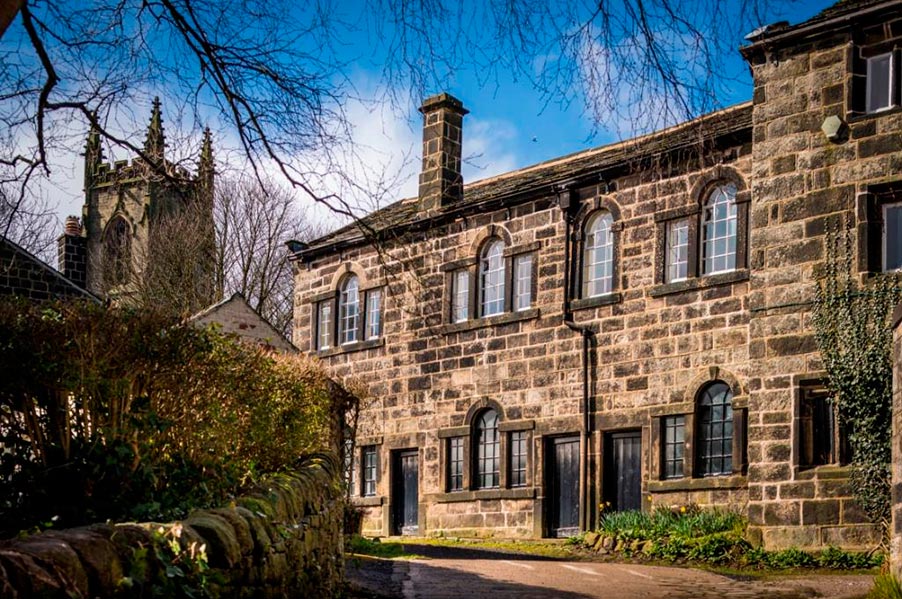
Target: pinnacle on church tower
point(206, 169)
point(155, 144)
point(205, 166)
point(93, 153)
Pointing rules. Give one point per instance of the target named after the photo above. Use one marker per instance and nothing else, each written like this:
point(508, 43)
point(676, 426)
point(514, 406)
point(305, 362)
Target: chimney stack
point(73, 252)
point(441, 183)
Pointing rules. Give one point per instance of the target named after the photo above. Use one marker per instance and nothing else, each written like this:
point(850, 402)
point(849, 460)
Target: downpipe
point(588, 338)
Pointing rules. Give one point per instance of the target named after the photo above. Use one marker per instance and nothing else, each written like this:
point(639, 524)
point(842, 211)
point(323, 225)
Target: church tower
point(146, 232)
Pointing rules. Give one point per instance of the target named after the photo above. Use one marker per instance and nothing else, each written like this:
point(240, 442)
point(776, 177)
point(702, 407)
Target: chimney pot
point(73, 225)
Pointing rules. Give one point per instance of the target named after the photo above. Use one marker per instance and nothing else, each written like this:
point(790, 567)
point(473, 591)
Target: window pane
point(373, 314)
point(488, 450)
point(598, 255)
point(456, 464)
point(518, 459)
point(369, 471)
point(715, 430)
point(892, 237)
point(324, 325)
point(879, 82)
point(460, 296)
point(348, 311)
point(491, 276)
point(719, 231)
point(818, 434)
point(523, 282)
point(674, 431)
point(677, 237)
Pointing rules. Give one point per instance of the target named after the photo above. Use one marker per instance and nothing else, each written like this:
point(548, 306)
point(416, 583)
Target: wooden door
point(405, 493)
point(623, 470)
point(563, 486)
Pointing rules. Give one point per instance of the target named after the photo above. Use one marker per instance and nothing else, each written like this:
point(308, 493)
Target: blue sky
point(510, 125)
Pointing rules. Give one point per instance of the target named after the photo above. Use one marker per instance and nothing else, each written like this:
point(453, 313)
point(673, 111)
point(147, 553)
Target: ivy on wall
point(851, 321)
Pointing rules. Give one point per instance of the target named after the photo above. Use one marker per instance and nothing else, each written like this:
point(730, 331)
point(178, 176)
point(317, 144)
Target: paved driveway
point(452, 572)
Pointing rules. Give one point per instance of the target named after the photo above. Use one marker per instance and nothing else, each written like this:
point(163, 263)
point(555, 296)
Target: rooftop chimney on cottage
point(441, 183)
point(72, 256)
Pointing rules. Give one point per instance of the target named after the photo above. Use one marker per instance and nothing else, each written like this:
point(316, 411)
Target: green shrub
point(790, 558)
point(120, 414)
point(716, 536)
point(688, 523)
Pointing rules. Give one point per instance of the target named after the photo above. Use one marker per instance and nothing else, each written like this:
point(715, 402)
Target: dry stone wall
point(285, 539)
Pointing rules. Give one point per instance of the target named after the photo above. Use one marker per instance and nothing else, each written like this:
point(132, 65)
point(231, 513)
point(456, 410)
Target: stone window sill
point(350, 347)
point(593, 302)
point(698, 484)
point(704, 282)
point(859, 117)
point(490, 321)
point(455, 496)
point(832, 471)
point(367, 501)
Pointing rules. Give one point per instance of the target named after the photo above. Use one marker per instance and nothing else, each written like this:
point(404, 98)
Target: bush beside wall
point(284, 539)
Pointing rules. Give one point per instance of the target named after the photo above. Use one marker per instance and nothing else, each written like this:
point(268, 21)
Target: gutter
point(588, 337)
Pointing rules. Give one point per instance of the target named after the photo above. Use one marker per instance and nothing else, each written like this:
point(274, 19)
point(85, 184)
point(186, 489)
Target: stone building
point(129, 216)
point(627, 326)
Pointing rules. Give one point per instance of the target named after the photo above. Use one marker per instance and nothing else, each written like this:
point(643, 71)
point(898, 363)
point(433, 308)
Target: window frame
point(368, 322)
point(329, 328)
point(370, 314)
point(518, 472)
point(594, 221)
point(705, 224)
point(680, 444)
point(884, 235)
point(838, 450)
point(482, 442)
point(892, 82)
point(705, 433)
point(455, 481)
point(116, 252)
point(347, 334)
point(369, 473)
point(871, 234)
point(466, 309)
point(485, 270)
point(694, 214)
point(516, 281)
point(669, 247)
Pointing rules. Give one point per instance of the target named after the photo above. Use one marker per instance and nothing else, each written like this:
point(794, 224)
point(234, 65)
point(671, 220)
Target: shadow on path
point(373, 578)
point(464, 552)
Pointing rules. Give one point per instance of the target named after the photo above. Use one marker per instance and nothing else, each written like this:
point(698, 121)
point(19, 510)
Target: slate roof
point(543, 177)
point(23, 274)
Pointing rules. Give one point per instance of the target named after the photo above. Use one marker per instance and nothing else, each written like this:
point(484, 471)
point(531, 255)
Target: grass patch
point(543, 548)
point(886, 586)
point(374, 547)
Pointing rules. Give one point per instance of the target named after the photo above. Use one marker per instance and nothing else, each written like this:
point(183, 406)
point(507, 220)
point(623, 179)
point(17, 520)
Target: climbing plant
point(851, 322)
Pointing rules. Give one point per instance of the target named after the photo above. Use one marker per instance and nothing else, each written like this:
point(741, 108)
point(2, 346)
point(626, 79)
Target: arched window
point(491, 278)
point(348, 311)
point(598, 255)
point(715, 430)
point(719, 230)
point(488, 451)
point(117, 252)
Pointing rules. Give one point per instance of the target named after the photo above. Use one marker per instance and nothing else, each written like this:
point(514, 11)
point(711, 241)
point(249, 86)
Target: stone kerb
point(285, 539)
point(896, 531)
